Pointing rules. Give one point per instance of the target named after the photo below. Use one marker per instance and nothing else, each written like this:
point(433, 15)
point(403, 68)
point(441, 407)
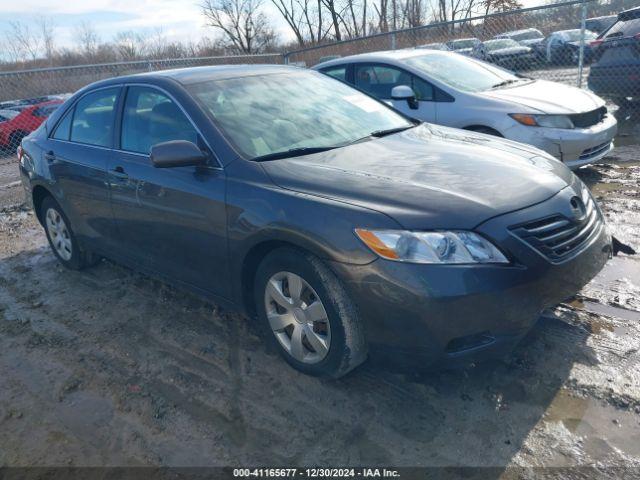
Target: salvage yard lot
point(109, 367)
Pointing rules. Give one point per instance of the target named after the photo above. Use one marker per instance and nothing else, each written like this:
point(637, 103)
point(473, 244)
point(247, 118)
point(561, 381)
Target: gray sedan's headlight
point(452, 247)
point(550, 121)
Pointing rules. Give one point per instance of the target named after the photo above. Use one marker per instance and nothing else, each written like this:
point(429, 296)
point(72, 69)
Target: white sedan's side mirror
point(404, 92)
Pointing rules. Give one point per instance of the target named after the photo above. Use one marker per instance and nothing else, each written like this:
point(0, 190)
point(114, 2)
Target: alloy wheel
point(297, 317)
point(59, 234)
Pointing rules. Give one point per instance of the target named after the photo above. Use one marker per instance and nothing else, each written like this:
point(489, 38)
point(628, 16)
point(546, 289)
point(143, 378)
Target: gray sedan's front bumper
point(433, 313)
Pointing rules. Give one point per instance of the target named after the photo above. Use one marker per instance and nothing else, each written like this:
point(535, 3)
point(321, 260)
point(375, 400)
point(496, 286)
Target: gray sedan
point(342, 226)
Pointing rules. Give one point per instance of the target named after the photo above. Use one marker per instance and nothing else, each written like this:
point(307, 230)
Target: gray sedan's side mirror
point(177, 153)
point(404, 92)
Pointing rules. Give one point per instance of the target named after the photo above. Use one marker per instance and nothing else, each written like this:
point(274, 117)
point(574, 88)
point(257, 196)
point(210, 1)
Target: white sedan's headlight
point(452, 247)
point(550, 121)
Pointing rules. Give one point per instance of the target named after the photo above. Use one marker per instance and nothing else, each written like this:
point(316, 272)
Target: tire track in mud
point(165, 378)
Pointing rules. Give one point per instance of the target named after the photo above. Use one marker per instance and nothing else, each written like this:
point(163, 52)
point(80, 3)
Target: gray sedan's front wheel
point(306, 312)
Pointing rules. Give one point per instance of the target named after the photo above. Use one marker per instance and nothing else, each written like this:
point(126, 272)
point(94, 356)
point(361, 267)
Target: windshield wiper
point(292, 152)
point(504, 84)
point(390, 131)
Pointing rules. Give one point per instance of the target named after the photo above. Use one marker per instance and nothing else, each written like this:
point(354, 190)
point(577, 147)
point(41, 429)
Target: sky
point(179, 19)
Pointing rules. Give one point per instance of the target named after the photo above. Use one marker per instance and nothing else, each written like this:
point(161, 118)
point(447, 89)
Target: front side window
point(379, 80)
point(151, 117)
point(268, 114)
point(461, 72)
point(93, 118)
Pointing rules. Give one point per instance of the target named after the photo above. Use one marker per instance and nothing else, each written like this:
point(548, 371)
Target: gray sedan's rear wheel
point(61, 238)
point(307, 314)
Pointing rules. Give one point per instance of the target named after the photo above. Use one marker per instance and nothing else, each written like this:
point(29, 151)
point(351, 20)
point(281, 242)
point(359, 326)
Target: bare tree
point(87, 40)
point(130, 45)
point(245, 28)
point(47, 34)
point(22, 43)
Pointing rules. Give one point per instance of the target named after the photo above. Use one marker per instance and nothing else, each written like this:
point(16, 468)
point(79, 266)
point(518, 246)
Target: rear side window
point(336, 72)
point(93, 118)
point(150, 117)
point(63, 130)
point(624, 28)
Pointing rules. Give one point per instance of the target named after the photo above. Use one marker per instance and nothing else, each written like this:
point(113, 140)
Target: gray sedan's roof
point(191, 75)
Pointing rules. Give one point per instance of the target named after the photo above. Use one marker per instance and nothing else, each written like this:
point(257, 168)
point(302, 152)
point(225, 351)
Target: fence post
point(393, 40)
point(583, 23)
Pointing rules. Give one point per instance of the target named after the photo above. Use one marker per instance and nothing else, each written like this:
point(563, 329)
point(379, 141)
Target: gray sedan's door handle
point(119, 172)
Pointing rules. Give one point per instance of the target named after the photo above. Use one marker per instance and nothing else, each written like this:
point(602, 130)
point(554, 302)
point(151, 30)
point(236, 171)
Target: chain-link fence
point(28, 97)
point(562, 42)
point(554, 42)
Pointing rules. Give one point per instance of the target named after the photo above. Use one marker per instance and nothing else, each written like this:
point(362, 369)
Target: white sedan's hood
point(549, 97)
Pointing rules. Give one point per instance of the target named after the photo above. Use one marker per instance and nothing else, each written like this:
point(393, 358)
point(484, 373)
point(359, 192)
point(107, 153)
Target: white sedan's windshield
point(461, 72)
point(267, 114)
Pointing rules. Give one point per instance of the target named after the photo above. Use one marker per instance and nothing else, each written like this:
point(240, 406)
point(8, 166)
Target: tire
point(622, 102)
point(62, 240)
point(331, 346)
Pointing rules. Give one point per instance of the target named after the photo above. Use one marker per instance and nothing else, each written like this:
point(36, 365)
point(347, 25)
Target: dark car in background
point(26, 120)
point(510, 54)
point(472, 47)
point(600, 24)
point(529, 37)
point(563, 47)
point(615, 72)
point(435, 46)
point(339, 223)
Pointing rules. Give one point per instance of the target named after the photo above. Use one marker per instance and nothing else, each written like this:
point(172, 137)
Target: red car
point(13, 130)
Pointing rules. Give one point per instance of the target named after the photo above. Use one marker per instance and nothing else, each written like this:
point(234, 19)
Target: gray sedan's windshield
point(461, 72)
point(264, 115)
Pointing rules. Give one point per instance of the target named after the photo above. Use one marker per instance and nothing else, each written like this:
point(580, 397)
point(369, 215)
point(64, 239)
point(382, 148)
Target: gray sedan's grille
point(558, 237)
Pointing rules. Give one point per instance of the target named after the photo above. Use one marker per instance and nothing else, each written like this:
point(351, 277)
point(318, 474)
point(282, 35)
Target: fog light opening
point(469, 342)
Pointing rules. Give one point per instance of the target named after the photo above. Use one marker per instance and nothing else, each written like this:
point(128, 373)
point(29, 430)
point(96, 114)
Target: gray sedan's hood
point(428, 177)
point(548, 97)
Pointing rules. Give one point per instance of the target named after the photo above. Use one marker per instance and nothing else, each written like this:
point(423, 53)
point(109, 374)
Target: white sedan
point(450, 89)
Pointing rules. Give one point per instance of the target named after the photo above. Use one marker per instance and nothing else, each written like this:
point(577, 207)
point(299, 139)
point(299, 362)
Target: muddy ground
point(108, 367)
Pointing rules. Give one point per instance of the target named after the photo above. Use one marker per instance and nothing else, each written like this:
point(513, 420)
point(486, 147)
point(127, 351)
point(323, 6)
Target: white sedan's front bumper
point(574, 147)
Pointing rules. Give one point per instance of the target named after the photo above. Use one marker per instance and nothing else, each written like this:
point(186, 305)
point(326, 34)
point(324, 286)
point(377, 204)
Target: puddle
point(599, 428)
point(611, 311)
